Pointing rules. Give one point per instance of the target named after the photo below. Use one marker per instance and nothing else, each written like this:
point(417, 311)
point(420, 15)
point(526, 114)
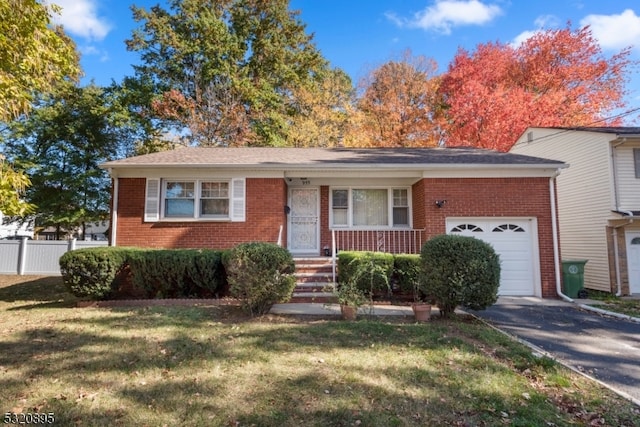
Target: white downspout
point(114, 212)
point(554, 231)
point(280, 235)
point(616, 256)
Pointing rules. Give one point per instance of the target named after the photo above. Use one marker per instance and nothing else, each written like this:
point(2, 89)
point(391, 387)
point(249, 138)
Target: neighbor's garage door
point(513, 240)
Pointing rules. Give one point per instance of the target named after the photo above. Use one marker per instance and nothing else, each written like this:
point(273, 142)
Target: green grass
point(212, 366)
point(610, 302)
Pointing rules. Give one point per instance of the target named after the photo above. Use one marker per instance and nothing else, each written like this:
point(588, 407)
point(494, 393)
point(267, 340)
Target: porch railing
point(408, 241)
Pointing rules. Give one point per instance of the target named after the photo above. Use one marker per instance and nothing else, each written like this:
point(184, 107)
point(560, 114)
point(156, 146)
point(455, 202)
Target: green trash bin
point(573, 277)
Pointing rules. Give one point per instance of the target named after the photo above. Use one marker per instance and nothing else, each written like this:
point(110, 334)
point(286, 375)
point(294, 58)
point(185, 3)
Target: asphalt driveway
point(603, 347)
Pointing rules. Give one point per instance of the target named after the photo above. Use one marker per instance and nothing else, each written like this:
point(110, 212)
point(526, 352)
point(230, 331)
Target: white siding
point(628, 184)
point(585, 195)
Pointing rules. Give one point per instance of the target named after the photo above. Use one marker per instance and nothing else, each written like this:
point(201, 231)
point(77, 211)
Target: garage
point(514, 239)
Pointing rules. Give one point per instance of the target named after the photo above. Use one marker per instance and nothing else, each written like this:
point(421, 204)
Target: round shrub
point(92, 272)
point(460, 270)
point(260, 275)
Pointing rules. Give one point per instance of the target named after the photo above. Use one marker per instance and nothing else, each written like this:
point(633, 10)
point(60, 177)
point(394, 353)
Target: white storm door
point(304, 224)
point(633, 261)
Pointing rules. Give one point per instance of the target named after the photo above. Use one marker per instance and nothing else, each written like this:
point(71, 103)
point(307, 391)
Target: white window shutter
point(238, 201)
point(152, 201)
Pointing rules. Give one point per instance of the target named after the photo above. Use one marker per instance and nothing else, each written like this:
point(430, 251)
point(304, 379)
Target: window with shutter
point(152, 201)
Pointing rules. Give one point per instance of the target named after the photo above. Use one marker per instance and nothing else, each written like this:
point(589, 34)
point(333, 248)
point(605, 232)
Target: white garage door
point(513, 239)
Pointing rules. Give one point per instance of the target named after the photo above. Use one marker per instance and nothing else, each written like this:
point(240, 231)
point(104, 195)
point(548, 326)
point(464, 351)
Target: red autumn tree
point(555, 78)
point(397, 105)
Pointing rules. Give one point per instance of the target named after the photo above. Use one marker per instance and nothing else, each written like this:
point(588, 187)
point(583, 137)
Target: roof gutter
point(333, 166)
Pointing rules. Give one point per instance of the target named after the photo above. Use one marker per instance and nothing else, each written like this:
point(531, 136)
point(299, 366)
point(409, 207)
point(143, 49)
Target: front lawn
point(610, 302)
point(212, 366)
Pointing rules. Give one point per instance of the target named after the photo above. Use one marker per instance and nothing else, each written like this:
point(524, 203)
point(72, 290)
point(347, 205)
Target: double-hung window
point(179, 199)
point(214, 199)
point(196, 199)
point(370, 207)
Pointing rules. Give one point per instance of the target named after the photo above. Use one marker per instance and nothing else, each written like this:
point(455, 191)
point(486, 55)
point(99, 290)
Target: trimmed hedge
point(93, 272)
point(260, 275)
point(407, 273)
point(103, 273)
point(177, 273)
point(460, 270)
point(371, 271)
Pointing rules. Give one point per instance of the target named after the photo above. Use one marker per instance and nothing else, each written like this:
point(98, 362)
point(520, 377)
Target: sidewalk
point(320, 309)
point(325, 309)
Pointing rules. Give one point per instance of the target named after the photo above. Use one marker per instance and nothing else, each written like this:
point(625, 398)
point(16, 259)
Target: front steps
point(314, 280)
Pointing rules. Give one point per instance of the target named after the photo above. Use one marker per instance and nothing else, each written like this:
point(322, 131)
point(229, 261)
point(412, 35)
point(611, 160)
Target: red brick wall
point(266, 199)
point(489, 197)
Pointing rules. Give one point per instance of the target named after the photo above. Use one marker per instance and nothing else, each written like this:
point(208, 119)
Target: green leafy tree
point(227, 71)
point(34, 57)
point(12, 187)
point(60, 146)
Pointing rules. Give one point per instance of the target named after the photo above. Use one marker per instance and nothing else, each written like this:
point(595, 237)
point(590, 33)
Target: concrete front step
point(320, 297)
point(314, 287)
point(313, 277)
point(314, 292)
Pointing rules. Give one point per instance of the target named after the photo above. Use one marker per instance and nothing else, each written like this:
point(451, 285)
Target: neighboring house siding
point(491, 197)
point(585, 195)
point(266, 199)
point(628, 184)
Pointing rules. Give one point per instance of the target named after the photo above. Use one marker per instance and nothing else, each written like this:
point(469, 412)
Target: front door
point(304, 227)
point(633, 261)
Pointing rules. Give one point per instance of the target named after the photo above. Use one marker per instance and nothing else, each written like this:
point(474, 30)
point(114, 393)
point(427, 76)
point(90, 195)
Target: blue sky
point(358, 35)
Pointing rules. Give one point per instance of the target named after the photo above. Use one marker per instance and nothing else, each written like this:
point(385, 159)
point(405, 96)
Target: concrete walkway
point(320, 309)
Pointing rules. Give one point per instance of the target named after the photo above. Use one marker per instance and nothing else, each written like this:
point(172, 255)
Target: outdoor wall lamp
point(440, 203)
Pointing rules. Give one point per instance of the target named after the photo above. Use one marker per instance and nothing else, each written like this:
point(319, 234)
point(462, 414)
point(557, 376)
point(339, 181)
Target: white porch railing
point(407, 241)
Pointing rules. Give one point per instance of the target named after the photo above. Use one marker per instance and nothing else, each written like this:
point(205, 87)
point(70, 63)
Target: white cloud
point(446, 14)
point(614, 31)
point(523, 37)
point(79, 17)
point(547, 21)
point(541, 22)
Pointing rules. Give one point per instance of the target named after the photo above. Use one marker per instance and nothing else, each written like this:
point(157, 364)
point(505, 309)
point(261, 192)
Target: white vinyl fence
point(38, 257)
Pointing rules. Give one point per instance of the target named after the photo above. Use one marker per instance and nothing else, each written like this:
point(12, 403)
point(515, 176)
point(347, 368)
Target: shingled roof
point(263, 157)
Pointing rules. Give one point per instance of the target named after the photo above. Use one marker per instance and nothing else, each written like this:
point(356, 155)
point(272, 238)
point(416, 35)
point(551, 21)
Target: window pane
point(215, 189)
point(400, 197)
point(401, 216)
point(178, 208)
point(340, 198)
point(177, 189)
point(214, 207)
point(370, 207)
point(340, 216)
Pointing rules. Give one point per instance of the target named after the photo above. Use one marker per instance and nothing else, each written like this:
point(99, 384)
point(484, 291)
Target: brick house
point(314, 201)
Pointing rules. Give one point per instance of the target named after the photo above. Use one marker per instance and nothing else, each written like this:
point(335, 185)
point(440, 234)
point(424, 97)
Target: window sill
point(194, 220)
